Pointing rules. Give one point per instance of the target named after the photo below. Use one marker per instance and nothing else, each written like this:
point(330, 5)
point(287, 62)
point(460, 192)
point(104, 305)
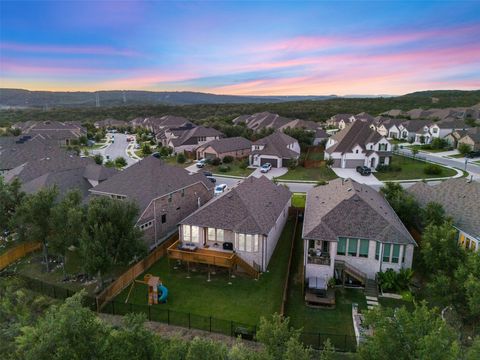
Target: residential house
point(165, 195)
point(339, 121)
point(320, 137)
point(460, 199)
point(154, 124)
point(393, 113)
point(189, 139)
point(416, 131)
point(236, 147)
point(247, 220)
point(471, 138)
point(57, 132)
point(110, 124)
point(351, 233)
point(277, 149)
point(455, 136)
point(442, 128)
point(358, 145)
point(390, 128)
point(266, 120)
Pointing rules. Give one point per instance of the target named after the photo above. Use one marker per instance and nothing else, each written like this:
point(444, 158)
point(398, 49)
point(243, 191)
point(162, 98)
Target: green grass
point(335, 322)
point(244, 300)
point(235, 169)
point(411, 169)
point(396, 303)
point(299, 199)
point(172, 160)
point(426, 148)
point(457, 156)
point(318, 155)
point(312, 174)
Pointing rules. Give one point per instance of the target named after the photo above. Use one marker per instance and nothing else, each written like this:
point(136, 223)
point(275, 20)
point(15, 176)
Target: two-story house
point(189, 139)
point(276, 149)
point(358, 145)
point(165, 195)
point(351, 233)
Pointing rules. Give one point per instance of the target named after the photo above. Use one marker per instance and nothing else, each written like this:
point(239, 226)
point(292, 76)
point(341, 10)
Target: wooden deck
point(314, 300)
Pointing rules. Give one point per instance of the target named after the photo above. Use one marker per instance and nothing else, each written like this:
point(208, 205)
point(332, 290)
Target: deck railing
point(201, 255)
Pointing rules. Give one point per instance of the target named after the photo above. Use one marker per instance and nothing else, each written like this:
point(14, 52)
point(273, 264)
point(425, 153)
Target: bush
point(292, 164)
point(98, 159)
point(216, 161)
point(110, 164)
point(224, 168)
point(227, 159)
point(464, 148)
point(243, 164)
point(432, 169)
point(393, 281)
point(146, 149)
point(438, 143)
point(120, 162)
point(389, 168)
point(181, 158)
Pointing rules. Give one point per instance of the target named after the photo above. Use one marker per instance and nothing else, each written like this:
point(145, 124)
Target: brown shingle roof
point(228, 144)
point(276, 145)
point(252, 207)
point(356, 133)
point(346, 208)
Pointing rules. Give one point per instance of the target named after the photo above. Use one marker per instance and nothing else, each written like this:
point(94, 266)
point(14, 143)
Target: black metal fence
point(188, 320)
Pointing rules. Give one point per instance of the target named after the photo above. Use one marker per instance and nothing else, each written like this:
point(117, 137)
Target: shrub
point(329, 162)
point(98, 159)
point(110, 164)
point(432, 169)
point(227, 159)
point(146, 149)
point(216, 161)
point(224, 168)
point(393, 281)
point(321, 183)
point(120, 162)
point(181, 158)
point(464, 148)
point(292, 164)
point(438, 143)
point(389, 168)
point(243, 164)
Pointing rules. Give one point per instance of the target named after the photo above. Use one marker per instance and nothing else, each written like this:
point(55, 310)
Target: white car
point(265, 167)
point(220, 189)
point(201, 163)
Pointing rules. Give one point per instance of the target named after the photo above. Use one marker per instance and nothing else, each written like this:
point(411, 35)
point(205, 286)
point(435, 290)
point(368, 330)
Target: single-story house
point(471, 138)
point(320, 136)
point(247, 220)
point(236, 147)
point(351, 233)
point(460, 199)
point(165, 195)
point(276, 149)
point(442, 128)
point(358, 145)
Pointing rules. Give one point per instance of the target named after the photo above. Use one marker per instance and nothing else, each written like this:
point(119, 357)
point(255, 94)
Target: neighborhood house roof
point(149, 179)
point(345, 208)
point(356, 133)
point(276, 144)
point(252, 207)
point(185, 136)
point(459, 198)
point(228, 144)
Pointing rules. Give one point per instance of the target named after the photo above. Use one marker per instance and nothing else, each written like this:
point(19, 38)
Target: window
point(195, 234)
point(164, 218)
point(356, 151)
point(186, 233)
point(248, 242)
point(364, 248)
point(183, 192)
point(386, 252)
point(146, 225)
point(170, 198)
point(220, 235)
point(241, 242)
point(377, 251)
point(342, 246)
point(352, 247)
point(211, 234)
point(395, 253)
point(215, 234)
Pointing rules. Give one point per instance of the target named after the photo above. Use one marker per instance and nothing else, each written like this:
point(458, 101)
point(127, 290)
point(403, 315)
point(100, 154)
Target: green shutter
point(396, 253)
point(386, 252)
point(377, 251)
point(364, 248)
point(342, 246)
point(352, 247)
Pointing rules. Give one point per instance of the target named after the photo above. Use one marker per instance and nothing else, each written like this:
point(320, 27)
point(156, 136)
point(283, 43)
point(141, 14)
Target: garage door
point(337, 163)
point(209, 155)
point(268, 160)
point(352, 164)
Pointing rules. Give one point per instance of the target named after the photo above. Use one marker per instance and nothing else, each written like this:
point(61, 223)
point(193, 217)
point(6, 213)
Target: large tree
point(403, 335)
point(10, 198)
point(404, 204)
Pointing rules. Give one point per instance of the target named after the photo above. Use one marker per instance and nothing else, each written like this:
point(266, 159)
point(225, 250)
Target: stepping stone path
point(371, 293)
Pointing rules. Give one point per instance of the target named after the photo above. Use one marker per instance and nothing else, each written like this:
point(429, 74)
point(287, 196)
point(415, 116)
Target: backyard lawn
point(312, 174)
point(337, 323)
point(245, 300)
point(411, 169)
point(299, 199)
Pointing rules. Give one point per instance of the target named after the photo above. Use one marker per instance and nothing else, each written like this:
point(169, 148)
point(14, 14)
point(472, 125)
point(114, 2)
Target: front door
point(325, 246)
point(372, 162)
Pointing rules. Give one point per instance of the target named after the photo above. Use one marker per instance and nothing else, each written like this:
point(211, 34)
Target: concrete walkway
point(354, 175)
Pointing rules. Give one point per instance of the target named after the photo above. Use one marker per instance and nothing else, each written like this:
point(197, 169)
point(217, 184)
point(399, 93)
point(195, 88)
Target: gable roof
point(184, 136)
point(251, 207)
point(416, 125)
point(262, 120)
point(459, 198)
point(452, 123)
point(276, 144)
point(149, 179)
point(54, 129)
point(228, 144)
point(356, 133)
point(345, 208)
point(473, 133)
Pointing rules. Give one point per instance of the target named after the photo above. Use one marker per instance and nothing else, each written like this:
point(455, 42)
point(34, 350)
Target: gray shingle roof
point(228, 144)
point(459, 198)
point(416, 125)
point(276, 145)
point(149, 179)
point(356, 133)
point(347, 208)
point(252, 207)
point(187, 135)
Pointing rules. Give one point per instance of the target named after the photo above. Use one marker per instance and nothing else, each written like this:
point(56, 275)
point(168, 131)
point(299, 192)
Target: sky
point(241, 48)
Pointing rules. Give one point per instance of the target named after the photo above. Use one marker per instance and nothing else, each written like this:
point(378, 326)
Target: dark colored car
point(473, 154)
point(207, 173)
point(212, 179)
point(156, 154)
point(364, 170)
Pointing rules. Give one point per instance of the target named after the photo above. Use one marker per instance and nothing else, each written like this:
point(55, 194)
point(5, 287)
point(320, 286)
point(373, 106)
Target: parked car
point(201, 163)
point(364, 170)
point(137, 146)
point(207, 173)
point(156, 154)
point(473, 154)
point(212, 179)
point(220, 189)
point(265, 167)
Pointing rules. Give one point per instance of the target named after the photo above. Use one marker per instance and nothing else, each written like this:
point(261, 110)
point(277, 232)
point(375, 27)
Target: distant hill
point(19, 98)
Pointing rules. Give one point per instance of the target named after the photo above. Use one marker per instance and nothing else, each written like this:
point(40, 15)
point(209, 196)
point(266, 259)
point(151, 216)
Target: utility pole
point(124, 98)
point(97, 100)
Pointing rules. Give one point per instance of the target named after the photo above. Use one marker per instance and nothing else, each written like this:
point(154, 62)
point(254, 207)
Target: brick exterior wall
point(238, 154)
point(176, 209)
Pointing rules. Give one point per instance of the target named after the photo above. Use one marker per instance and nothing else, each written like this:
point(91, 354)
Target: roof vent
point(350, 189)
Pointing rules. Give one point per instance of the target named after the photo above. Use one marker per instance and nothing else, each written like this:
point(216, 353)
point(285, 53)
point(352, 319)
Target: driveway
point(274, 172)
point(354, 175)
point(118, 148)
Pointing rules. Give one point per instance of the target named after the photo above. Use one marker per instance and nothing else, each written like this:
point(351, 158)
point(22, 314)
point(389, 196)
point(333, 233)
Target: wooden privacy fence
point(131, 274)
point(19, 251)
point(289, 266)
point(309, 163)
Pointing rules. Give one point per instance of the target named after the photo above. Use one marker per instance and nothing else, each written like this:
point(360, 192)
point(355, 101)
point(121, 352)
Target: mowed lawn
point(313, 174)
point(245, 300)
point(235, 169)
point(411, 169)
point(299, 199)
point(335, 324)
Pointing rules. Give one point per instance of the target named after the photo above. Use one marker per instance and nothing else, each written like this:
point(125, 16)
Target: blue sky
point(255, 48)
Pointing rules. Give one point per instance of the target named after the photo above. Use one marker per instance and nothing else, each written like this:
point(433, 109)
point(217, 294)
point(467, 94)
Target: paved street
point(118, 148)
